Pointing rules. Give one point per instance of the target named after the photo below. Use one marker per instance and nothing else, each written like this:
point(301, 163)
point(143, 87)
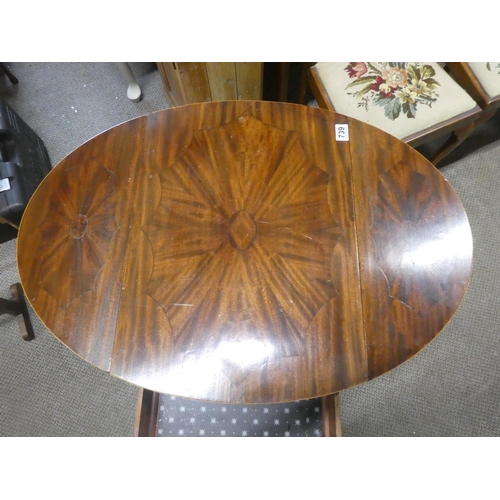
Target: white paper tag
point(341, 132)
point(4, 185)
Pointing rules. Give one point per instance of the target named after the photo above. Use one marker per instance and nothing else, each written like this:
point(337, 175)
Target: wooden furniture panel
point(222, 81)
point(194, 81)
point(191, 82)
point(249, 77)
point(171, 86)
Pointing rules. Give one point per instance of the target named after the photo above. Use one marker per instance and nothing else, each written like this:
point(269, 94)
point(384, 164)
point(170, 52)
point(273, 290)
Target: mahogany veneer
point(235, 251)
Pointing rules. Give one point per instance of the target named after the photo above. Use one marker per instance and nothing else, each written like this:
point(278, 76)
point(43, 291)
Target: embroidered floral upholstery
point(400, 98)
point(488, 75)
point(397, 87)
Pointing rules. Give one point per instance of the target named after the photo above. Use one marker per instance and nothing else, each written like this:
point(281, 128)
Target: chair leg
point(17, 307)
point(331, 415)
point(455, 139)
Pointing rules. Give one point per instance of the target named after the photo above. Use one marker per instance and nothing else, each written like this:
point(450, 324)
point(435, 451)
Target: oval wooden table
point(239, 252)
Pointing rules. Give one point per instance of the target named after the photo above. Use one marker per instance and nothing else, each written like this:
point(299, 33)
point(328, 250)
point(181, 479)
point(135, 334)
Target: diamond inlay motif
point(242, 230)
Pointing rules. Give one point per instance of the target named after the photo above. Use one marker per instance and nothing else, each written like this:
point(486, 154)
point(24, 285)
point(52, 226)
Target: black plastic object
point(24, 162)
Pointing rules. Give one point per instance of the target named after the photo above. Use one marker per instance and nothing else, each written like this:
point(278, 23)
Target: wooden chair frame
point(465, 77)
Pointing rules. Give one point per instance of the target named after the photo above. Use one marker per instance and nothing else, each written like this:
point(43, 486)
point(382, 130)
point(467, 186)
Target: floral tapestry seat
point(416, 102)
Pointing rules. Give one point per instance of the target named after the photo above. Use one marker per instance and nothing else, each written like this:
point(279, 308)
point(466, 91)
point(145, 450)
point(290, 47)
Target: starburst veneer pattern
point(235, 251)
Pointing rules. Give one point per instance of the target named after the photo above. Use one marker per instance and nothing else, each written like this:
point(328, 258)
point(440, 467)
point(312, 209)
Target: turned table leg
point(17, 307)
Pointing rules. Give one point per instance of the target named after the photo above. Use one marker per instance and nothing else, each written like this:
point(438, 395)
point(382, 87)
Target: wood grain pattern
point(194, 81)
point(249, 75)
point(235, 251)
point(191, 82)
point(171, 86)
point(415, 247)
point(222, 81)
point(330, 414)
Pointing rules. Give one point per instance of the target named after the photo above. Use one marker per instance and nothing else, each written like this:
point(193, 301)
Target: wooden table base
point(17, 307)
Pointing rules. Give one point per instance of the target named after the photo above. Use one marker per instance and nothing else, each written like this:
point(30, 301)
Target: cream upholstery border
point(488, 78)
point(452, 100)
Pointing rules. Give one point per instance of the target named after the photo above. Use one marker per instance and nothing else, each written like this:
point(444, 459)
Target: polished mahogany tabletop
point(245, 251)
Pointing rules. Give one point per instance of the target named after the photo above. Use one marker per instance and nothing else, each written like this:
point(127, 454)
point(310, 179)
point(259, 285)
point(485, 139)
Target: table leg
point(331, 415)
point(17, 307)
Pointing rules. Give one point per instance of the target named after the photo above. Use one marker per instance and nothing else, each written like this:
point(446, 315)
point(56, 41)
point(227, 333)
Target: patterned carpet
point(184, 418)
point(448, 389)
